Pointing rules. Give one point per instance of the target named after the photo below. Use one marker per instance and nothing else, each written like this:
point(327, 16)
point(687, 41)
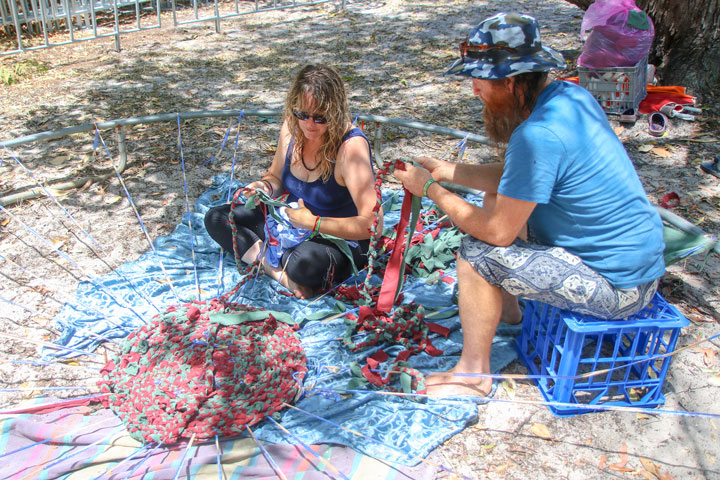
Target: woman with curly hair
point(325, 165)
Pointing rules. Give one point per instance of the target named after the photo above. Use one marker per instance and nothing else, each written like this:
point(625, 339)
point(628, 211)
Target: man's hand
point(441, 170)
point(413, 178)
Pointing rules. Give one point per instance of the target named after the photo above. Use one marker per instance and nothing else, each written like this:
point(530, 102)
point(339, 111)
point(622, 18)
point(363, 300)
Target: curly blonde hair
point(326, 88)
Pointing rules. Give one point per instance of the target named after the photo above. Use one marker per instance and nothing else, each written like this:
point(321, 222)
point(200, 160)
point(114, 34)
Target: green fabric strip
point(229, 319)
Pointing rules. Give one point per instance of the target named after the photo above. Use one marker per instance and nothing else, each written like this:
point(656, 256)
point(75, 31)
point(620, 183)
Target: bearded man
point(564, 220)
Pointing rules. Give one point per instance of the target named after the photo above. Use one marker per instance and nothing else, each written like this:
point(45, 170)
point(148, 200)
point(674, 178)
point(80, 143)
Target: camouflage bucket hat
point(504, 45)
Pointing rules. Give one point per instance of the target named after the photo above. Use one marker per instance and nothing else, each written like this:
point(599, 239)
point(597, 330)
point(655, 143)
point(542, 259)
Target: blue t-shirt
point(566, 158)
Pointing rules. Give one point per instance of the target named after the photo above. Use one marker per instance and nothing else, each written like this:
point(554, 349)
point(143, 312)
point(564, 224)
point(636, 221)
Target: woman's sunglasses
point(315, 118)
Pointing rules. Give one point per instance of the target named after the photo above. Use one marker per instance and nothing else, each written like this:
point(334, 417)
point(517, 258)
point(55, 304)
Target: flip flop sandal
point(689, 109)
point(670, 200)
point(712, 166)
point(473, 398)
point(628, 116)
point(673, 110)
point(657, 124)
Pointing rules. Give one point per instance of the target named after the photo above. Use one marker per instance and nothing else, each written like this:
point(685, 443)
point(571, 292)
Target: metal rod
point(63, 132)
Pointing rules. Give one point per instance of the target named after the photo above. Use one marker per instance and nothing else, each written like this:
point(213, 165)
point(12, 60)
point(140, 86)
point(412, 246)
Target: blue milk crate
point(625, 357)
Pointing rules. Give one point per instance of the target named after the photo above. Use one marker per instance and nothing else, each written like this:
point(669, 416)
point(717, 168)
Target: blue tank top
point(327, 199)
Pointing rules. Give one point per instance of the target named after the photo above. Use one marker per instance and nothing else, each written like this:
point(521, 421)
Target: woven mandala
point(204, 368)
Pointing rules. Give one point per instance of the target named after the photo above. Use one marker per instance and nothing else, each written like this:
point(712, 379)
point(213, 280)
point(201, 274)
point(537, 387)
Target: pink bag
point(619, 34)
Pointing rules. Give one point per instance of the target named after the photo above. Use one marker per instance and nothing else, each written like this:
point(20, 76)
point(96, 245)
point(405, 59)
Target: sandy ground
point(391, 55)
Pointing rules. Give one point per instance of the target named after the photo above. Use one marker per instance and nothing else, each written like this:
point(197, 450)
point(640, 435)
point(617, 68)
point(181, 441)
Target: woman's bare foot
point(446, 384)
point(301, 291)
point(276, 273)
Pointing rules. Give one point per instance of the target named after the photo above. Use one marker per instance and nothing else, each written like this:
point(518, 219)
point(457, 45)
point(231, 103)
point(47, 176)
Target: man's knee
point(475, 254)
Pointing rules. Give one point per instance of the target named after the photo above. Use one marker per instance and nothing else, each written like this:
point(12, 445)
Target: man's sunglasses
point(315, 118)
point(479, 51)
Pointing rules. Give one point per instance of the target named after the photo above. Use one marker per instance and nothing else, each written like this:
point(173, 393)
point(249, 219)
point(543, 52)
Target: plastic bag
point(619, 34)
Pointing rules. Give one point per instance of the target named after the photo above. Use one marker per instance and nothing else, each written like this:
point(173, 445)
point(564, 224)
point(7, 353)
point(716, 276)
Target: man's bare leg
point(480, 305)
point(511, 313)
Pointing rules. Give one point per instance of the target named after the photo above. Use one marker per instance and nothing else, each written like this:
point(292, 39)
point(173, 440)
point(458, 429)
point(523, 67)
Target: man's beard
point(502, 115)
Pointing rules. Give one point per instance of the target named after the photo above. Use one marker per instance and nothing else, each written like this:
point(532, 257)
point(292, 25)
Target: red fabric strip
point(392, 271)
point(439, 329)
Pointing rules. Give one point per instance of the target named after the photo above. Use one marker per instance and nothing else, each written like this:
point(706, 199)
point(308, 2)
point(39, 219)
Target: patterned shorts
point(552, 275)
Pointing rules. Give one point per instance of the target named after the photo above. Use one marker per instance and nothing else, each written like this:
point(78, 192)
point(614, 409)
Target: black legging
point(316, 263)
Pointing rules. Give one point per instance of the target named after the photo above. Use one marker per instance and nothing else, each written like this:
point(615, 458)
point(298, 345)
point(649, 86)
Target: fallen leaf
point(618, 130)
point(509, 386)
point(112, 199)
point(645, 148)
point(85, 186)
point(5, 221)
point(59, 160)
point(708, 355)
point(58, 241)
point(642, 416)
point(540, 430)
point(649, 465)
point(42, 290)
point(501, 468)
point(620, 466)
point(602, 462)
point(661, 152)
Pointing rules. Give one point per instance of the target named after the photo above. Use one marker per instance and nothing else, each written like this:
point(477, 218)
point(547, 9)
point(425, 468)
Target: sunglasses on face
point(477, 51)
point(305, 116)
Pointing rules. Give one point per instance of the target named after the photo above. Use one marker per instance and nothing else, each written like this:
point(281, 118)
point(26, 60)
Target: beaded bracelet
point(427, 186)
point(316, 227)
point(269, 185)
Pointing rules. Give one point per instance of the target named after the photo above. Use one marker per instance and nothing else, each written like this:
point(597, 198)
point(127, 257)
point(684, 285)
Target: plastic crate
point(617, 89)
point(563, 347)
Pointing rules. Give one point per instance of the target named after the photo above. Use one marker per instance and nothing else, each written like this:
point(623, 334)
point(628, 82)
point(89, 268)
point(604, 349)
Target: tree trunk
point(686, 49)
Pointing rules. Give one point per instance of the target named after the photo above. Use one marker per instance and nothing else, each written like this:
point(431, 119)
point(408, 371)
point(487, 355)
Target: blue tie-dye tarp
point(393, 428)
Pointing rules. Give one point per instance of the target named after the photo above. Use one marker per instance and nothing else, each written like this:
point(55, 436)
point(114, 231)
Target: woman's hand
point(264, 185)
point(301, 217)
